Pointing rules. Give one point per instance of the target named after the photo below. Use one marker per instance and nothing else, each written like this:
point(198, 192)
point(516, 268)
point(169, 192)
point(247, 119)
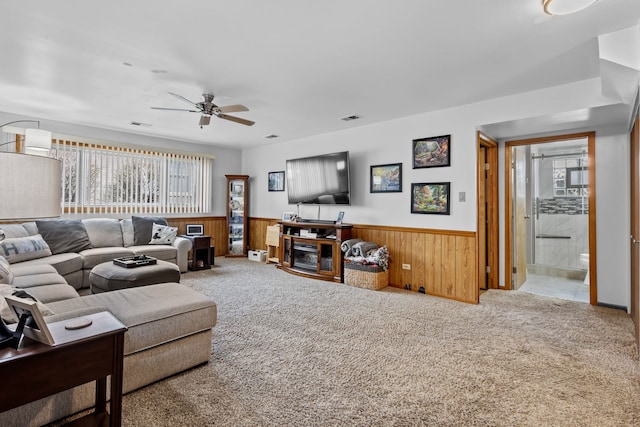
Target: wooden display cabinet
point(318, 254)
point(237, 215)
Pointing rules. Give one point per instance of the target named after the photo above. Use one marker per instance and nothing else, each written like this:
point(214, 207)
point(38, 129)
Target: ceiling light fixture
point(565, 7)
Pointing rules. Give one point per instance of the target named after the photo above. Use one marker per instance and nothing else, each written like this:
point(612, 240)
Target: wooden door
point(520, 216)
point(482, 218)
point(635, 228)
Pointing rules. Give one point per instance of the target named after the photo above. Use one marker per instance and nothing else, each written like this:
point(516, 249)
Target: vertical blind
point(103, 179)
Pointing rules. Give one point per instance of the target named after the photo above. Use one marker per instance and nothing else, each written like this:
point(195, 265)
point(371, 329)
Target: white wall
point(391, 142)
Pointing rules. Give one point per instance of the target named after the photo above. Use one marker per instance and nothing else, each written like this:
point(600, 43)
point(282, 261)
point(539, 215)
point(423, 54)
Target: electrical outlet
point(406, 266)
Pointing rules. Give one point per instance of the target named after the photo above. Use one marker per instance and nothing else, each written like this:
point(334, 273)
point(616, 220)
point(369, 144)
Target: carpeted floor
point(289, 351)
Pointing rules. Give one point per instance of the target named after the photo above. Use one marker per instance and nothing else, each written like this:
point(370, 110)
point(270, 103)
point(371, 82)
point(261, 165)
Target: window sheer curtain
point(104, 179)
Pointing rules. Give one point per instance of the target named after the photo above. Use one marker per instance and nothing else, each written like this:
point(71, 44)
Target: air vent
point(349, 118)
point(140, 124)
point(272, 136)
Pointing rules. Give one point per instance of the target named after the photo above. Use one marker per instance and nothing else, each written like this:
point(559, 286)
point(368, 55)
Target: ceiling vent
point(140, 124)
point(349, 118)
point(272, 136)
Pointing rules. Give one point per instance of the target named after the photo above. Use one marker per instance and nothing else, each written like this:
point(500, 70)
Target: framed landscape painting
point(386, 178)
point(430, 198)
point(276, 181)
point(432, 152)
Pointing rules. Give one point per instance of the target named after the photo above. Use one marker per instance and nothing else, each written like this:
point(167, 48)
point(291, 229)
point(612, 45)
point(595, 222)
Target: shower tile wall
point(559, 216)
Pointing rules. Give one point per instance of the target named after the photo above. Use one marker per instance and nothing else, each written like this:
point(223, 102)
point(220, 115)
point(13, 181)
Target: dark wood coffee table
point(79, 356)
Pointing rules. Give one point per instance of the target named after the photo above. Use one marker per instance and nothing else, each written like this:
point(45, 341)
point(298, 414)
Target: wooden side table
point(200, 252)
point(36, 370)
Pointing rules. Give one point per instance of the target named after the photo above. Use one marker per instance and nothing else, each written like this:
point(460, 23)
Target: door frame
point(508, 223)
point(489, 248)
point(634, 226)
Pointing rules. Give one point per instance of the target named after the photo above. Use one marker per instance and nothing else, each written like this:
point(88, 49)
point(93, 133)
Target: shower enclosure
point(559, 221)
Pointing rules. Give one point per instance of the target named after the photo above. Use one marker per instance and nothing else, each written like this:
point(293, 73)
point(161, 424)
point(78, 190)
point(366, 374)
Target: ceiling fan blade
point(175, 109)
point(236, 119)
point(182, 98)
point(204, 120)
point(233, 108)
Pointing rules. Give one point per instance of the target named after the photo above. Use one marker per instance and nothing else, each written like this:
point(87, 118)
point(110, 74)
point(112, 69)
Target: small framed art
point(287, 216)
point(386, 178)
point(430, 198)
point(35, 326)
point(276, 181)
point(432, 152)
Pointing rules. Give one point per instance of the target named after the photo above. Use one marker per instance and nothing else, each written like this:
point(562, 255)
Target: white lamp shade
point(565, 7)
point(30, 187)
point(37, 141)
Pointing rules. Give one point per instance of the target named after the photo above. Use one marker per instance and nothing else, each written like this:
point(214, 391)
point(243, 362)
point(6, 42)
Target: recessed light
point(128, 64)
point(272, 136)
point(349, 118)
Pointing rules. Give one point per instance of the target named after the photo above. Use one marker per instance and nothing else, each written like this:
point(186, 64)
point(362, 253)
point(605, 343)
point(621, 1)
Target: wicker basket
point(365, 276)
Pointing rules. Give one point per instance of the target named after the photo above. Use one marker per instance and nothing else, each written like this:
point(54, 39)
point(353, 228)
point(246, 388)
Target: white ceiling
point(298, 65)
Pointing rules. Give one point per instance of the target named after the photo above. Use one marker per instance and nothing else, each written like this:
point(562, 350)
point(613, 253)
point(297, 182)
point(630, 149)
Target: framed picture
point(432, 152)
point(35, 326)
point(286, 216)
point(430, 198)
point(340, 218)
point(386, 178)
point(276, 181)
point(195, 230)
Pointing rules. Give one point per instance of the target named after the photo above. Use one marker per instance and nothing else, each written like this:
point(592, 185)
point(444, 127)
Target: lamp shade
point(37, 141)
point(565, 7)
point(30, 186)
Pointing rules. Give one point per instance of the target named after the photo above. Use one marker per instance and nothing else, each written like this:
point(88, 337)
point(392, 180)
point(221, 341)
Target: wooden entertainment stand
point(312, 249)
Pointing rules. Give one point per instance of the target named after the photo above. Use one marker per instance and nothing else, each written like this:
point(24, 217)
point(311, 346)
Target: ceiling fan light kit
point(565, 7)
point(207, 108)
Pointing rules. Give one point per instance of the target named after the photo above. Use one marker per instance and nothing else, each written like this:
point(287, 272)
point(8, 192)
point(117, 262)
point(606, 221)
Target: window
point(103, 179)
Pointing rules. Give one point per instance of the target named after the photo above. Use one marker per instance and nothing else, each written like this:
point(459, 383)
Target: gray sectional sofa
point(169, 325)
point(74, 253)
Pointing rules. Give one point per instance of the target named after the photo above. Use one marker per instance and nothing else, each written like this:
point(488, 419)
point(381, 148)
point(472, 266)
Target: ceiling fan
point(207, 108)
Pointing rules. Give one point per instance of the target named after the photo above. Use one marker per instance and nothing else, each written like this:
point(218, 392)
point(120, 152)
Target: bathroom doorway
point(550, 187)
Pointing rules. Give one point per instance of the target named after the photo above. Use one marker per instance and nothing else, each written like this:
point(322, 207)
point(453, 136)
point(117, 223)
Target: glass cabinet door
point(325, 261)
point(237, 215)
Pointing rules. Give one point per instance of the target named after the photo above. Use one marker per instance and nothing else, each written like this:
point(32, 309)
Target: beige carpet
point(289, 351)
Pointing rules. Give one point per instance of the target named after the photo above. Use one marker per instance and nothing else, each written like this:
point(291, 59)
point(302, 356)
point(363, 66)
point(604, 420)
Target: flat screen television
point(319, 180)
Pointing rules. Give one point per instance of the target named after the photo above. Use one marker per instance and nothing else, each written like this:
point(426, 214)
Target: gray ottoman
point(110, 277)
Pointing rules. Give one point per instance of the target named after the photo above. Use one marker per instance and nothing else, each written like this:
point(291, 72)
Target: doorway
point(488, 221)
point(550, 216)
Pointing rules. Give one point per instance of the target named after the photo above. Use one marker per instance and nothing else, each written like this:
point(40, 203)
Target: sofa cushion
point(154, 314)
point(163, 252)
point(6, 274)
point(7, 313)
point(63, 263)
point(64, 235)
point(142, 228)
point(103, 232)
point(24, 248)
point(15, 230)
point(95, 256)
point(127, 232)
point(163, 234)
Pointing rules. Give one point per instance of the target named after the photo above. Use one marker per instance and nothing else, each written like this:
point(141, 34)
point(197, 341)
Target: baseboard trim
point(614, 306)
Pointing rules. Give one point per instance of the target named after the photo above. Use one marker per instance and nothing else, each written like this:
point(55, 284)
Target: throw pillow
point(7, 313)
point(163, 234)
point(6, 275)
point(142, 228)
point(64, 235)
point(24, 248)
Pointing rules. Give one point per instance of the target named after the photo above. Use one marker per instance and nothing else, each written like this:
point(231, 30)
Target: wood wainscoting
point(442, 262)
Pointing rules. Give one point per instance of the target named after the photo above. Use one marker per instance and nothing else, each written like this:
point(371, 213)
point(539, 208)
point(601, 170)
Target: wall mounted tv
point(319, 180)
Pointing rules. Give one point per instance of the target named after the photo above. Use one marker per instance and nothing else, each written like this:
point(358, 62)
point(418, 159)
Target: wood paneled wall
point(443, 262)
